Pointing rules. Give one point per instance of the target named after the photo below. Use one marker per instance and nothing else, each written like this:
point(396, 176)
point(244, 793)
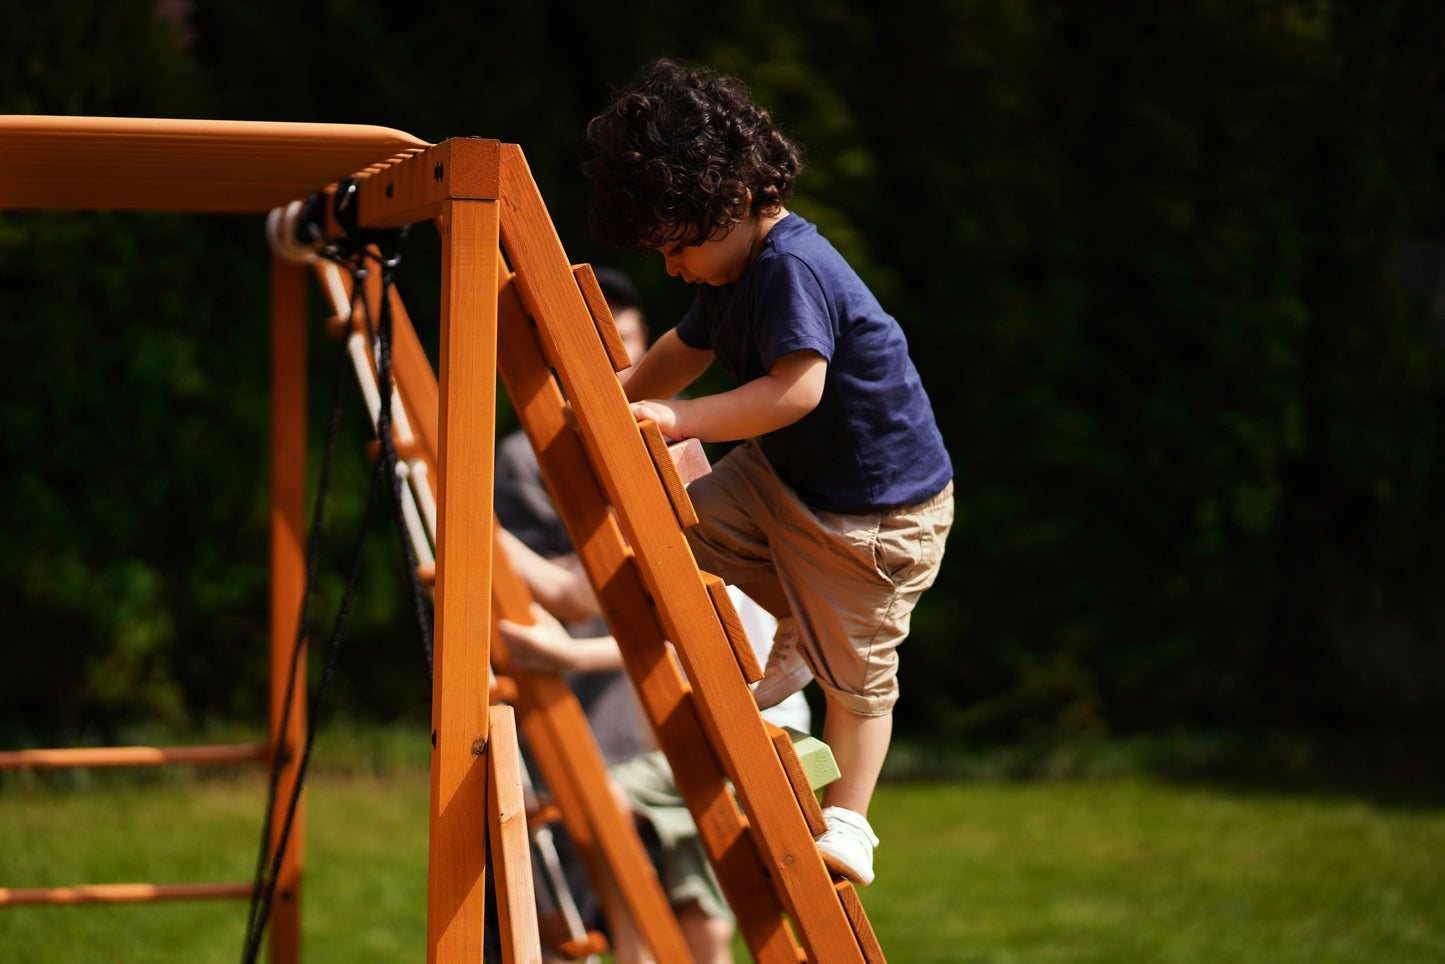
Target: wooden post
point(458, 830)
point(288, 579)
point(511, 852)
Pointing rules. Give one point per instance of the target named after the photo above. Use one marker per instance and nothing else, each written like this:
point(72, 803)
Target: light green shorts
point(685, 871)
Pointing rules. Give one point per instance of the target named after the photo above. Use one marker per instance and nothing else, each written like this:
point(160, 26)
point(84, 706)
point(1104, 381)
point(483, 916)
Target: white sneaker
point(787, 671)
point(847, 846)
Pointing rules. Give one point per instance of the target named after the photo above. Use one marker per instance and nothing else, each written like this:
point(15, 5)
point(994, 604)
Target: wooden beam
point(288, 581)
point(457, 840)
point(120, 893)
point(417, 187)
point(511, 852)
point(129, 756)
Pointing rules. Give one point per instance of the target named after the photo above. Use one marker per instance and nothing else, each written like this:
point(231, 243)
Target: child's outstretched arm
point(790, 390)
point(669, 366)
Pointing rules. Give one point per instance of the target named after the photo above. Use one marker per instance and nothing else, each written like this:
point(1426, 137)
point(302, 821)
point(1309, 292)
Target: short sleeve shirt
point(872, 441)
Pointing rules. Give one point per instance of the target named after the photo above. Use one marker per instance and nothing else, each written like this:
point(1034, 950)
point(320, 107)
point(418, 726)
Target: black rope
point(383, 336)
point(357, 248)
point(253, 944)
point(313, 543)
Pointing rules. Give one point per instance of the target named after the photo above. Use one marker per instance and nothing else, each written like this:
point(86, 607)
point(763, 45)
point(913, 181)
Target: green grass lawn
point(1106, 870)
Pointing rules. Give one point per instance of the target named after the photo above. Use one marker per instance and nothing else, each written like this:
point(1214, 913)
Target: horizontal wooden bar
point(137, 163)
point(129, 756)
point(120, 893)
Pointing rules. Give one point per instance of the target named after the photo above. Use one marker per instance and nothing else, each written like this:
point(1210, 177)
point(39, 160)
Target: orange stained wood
point(467, 410)
point(602, 316)
point(396, 195)
point(548, 712)
point(666, 565)
point(288, 579)
point(127, 756)
point(120, 893)
point(802, 789)
point(858, 918)
point(511, 852)
point(661, 689)
point(571, 763)
point(667, 471)
point(126, 163)
point(733, 627)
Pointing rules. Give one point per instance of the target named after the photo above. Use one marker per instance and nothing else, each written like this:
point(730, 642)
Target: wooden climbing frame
point(511, 303)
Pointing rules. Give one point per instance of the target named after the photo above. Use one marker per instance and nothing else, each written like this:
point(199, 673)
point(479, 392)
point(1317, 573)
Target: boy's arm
point(668, 367)
point(790, 390)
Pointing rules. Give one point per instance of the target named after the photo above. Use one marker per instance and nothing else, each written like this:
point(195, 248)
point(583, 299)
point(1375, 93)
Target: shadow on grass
point(1400, 770)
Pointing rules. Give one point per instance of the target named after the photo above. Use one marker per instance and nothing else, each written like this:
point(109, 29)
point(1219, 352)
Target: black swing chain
point(352, 254)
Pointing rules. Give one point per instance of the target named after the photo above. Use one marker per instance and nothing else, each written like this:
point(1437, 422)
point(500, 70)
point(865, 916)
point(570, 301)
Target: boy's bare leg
point(859, 745)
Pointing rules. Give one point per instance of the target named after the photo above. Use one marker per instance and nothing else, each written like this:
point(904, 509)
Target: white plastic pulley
point(281, 233)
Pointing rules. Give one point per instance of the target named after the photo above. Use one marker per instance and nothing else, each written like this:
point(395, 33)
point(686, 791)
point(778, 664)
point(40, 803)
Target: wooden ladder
point(620, 496)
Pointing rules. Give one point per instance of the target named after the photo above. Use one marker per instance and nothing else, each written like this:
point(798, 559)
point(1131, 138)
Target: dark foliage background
point(1150, 258)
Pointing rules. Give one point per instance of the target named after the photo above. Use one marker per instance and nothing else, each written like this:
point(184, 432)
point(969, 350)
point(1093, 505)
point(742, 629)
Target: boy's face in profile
point(720, 260)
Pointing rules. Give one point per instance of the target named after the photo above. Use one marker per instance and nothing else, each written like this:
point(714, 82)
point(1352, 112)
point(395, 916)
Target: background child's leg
point(859, 745)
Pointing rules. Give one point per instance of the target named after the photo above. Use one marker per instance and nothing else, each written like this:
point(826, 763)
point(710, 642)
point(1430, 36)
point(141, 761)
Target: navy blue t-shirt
point(872, 441)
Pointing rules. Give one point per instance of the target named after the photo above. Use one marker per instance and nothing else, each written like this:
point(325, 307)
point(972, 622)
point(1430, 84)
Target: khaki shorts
point(851, 581)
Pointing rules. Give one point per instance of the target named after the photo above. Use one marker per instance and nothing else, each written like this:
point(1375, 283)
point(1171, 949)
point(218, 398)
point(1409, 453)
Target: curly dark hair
point(678, 156)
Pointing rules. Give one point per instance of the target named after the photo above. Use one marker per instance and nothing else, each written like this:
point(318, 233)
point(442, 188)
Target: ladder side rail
point(668, 568)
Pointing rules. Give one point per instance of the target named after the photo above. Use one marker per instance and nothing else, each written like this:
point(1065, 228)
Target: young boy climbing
point(834, 510)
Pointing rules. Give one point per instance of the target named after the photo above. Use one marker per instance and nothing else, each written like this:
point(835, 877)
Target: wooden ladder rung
point(543, 814)
point(802, 789)
point(503, 690)
point(556, 935)
point(733, 627)
point(601, 314)
point(667, 471)
point(121, 893)
point(123, 756)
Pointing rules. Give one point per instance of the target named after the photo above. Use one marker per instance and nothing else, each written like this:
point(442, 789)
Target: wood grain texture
point(657, 449)
point(571, 763)
point(737, 636)
point(511, 849)
point(467, 413)
point(143, 163)
point(601, 316)
point(798, 777)
point(547, 710)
